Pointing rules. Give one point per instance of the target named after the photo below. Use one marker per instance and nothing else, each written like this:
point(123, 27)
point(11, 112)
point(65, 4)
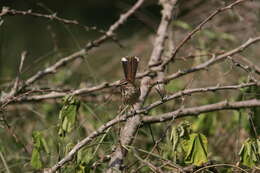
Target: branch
point(160, 118)
point(250, 64)
point(144, 110)
point(86, 141)
point(129, 130)
point(62, 62)
point(193, 32)
point(109, 33)
point(213, 60)
point(149, 164)
point(124, 117)
point(188, 92)
point(12, 12)
point(193, 111)
point(55, 94)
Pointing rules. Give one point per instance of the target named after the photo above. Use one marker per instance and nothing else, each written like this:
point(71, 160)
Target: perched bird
point(130, 91)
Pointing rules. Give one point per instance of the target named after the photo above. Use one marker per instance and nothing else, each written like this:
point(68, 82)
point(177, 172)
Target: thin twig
point(193, 32)
point(4, 162)
point(12, 12)
point(213, 60)
point(149, 164)
point(220, 165)
point(62, 62)
point(250, 64)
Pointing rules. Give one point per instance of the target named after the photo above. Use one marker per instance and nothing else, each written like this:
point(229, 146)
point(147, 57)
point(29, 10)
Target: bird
point(130, 90)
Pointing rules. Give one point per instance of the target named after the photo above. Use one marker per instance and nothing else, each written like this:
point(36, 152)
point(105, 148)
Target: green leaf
point(184, 129)
point(186, 147)
point(195, 146)
point(36, 161)
point(81, 169)
point(37, 136)
point(68, 115)
point(174, 138)
point(39, 144)
point(249, 153)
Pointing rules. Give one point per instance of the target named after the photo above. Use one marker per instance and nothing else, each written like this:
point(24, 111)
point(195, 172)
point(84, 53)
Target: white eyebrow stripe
point(137, 58)
point(124, 59)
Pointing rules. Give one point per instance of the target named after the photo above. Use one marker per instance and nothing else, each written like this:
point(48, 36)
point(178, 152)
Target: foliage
point(250, 153)
point(195, 147)
point(68, 115)
point(39, 145)
point(187, 147)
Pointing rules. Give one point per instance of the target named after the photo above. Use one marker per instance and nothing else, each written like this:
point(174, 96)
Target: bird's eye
point(123, 83)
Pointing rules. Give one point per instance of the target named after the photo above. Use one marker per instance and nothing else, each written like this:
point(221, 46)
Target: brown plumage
point(129, 90)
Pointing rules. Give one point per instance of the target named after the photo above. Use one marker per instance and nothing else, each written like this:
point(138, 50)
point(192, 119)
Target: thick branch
point(128, 132)
point(109, 33)
point(84, 142)
point(124, 117)
point(155, 119)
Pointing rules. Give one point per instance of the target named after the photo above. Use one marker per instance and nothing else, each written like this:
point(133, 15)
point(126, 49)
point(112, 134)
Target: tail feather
point(130, 65)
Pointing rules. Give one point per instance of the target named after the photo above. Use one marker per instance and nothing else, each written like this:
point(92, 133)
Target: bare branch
point(128, 132)
point(193, 32)
point(155, 119)
point(12, 12)
point(16, 82)
point(250, 64)
point(188, 92)
point(213, 60)
point(62, 62)
point(124, 117)
point(84, 142)
point(100, 40)
point(109, 33)
point(193, 111)
point(55, 94)
point(149, 164)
